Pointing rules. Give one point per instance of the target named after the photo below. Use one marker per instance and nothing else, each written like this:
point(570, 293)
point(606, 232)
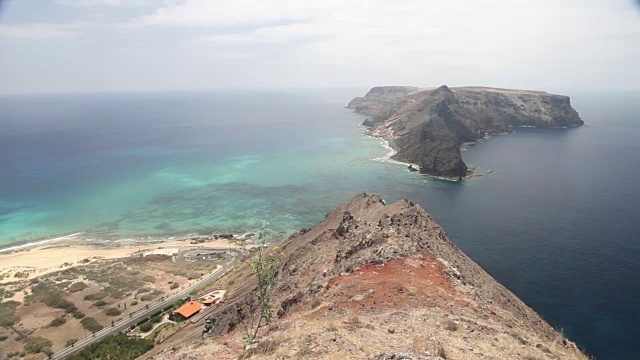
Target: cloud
point(120, 3)
point(349, 42)
point(278, 34)
point(39, 31)
point(220, 12)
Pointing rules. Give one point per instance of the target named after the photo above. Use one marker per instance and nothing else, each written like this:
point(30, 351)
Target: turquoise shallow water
point(132, 166)
point(556, 221)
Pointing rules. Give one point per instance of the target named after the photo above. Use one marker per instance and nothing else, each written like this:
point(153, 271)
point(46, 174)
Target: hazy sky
point(128, 45)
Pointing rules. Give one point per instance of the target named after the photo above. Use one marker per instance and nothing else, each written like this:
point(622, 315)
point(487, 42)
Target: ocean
point(555, 221)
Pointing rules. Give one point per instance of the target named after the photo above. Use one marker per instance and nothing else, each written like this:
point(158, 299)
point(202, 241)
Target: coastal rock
point(380, 102)
point(428, 126)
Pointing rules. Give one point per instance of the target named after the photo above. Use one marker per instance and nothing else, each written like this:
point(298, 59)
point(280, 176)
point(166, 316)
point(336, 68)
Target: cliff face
point(428, 126)
point(377, 282)
point(381, 101)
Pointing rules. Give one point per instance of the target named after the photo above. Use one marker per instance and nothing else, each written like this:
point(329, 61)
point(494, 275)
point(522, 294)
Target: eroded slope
point(372, 281)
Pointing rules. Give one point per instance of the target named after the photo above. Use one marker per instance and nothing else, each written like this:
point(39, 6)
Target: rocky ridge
point(376, 281)
point(428, 126)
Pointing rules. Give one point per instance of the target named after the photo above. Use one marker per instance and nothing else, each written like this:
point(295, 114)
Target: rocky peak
point(376, 281)
point(442, 91)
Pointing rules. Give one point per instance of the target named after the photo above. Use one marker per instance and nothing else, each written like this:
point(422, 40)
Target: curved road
point(137, 316)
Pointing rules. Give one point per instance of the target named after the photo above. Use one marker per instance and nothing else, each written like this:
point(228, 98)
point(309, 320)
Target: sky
point(166, 45)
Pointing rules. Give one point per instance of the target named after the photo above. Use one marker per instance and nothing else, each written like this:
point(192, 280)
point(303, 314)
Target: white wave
point(38, 243)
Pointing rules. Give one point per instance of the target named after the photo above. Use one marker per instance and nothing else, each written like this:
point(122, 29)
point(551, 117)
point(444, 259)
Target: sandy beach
point(46, 258)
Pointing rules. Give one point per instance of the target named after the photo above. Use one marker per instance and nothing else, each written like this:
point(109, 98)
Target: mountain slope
point(377, 282)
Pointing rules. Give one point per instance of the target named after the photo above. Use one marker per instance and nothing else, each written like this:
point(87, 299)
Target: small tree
point(265, 265)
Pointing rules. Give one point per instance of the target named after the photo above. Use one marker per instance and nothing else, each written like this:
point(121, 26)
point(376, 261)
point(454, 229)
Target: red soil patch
point(411, 282)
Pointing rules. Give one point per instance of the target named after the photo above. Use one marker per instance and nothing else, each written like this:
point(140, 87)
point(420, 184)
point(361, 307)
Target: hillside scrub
point(37, 344)
point(91, 324)
point(121, 347)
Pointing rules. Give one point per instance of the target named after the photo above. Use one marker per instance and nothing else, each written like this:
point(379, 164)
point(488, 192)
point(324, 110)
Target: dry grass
point(335, 336)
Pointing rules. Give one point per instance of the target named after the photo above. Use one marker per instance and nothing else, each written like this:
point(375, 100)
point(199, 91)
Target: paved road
point(124, 324)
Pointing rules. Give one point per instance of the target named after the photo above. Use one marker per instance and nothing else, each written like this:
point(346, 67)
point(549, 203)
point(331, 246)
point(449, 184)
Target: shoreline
point(48, 256)
point(147, 239)
point(20, 246)
point(388, 159)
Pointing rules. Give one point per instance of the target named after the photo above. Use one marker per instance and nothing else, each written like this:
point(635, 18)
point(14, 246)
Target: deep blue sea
point(556, 221)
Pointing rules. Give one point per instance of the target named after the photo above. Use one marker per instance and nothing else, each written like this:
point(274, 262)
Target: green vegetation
point(134, 302)
point(37, 344)
point(115, 287)
point(100, 303)
point(316, 303)
point(63, 284)
point(78, 314)
point(265, 266)
point(77, 286)
point(118, 346)
point(174, 286)
point(58, 322)
point(150, 296)
point(95, 296)
point(91, 324)
point(70, 342)
point(46, 292)
point(21, 274)
point(113, 312)
point(8, 313)
point(146, 326)
point(3, 338)
point(149, 279)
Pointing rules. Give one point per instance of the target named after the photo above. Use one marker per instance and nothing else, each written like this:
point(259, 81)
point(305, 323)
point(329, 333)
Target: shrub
point(37, 344)
point(113, 312)
point(119, 347)
point(77, 286)
point(451, 325)
point(174, 286)
point(149, 279)
point(150, 296)
point(316, 303)
point(58, 322)
point(100, 303)
point(50, 295)
point(78, 314)
point(134, 302)
point(143, 290)
point(70, 342)
point(7, 313)
point(156, 319)
point(95, 296)
point(3, 338)
point(147, 326)
point(91, 324)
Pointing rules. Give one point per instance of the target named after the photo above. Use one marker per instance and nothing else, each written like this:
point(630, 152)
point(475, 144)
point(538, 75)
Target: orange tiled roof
point(188, 309)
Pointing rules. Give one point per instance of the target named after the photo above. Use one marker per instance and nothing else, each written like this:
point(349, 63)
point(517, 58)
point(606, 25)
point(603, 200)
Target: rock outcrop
point(376, 281)
point(428, 126)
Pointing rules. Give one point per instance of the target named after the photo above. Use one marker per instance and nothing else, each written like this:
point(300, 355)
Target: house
point(189, 309)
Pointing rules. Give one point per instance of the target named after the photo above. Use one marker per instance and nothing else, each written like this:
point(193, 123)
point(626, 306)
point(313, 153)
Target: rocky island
point(427, 126)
